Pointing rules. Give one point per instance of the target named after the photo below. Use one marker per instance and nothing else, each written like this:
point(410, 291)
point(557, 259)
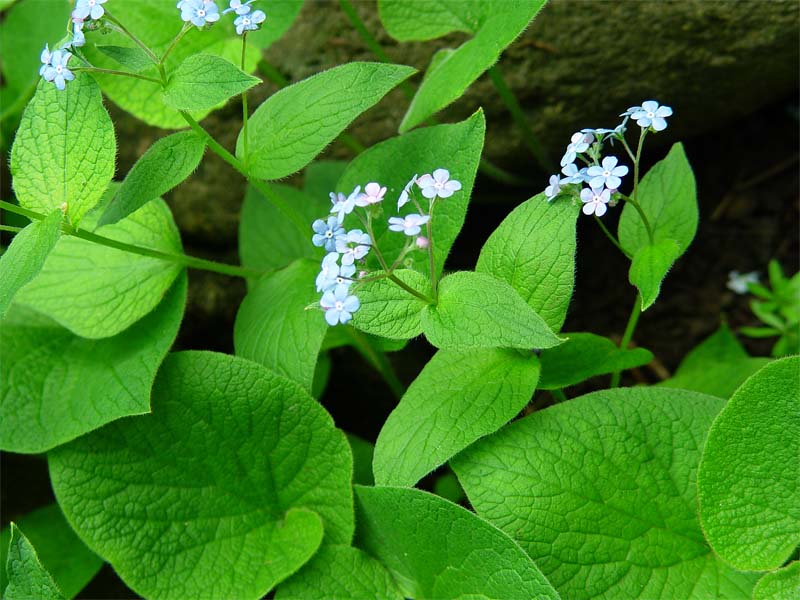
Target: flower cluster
point(602, 176)
point(202, 12)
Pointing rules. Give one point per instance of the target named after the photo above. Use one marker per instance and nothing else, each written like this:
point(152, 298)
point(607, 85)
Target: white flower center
point(339, 305)
point(59, 69)
point(92, 2)
point(650, 115)
point(245, 21)
point(606, 173)
point(340, 279)
point(329, 234)
point(201, 13)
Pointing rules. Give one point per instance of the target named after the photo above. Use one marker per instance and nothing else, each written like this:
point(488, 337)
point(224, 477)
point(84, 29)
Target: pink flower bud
point(422, 242)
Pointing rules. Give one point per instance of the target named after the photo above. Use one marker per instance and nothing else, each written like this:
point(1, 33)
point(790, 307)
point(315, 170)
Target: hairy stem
point(378, 359)
point(611, 237)
point(633, 319)
point(115, 72)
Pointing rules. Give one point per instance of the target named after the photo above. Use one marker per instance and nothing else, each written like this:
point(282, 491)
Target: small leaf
point(25, 256)
point(204, 81)
point(749, 478)
point(165, 164)
point(133, 58)
point(439, 550)
point(387, 309)
point(459, 397)
point(476, 310)
point(586, 355)
point(649, 267)
point(295, 124)
point(27, 578)
point(783, 584)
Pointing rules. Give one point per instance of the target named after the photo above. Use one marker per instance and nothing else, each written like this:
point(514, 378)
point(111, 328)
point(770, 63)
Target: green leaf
point(533, 249)
point(57, 386)
point(388, 310)
point(320, 178)
point(61, 553)
point(600, 492)
point(204, 81)
point(749, 478)
point(586, 355)
point(165, 164)
point(282, 14)
point(27, 578)
point(274, 328)
point(459, 397)
point(363, 452)
point(476, 310)
point(101, 290)
point(64, 150)
point(783, 584)
point(419, 20)
point(340, 573)
point(394, 162)
point(668, 197)
point(134, 59)
point(25, 256)
point(717, 366)
point(234, 467)
point(436, 549)
point(649, 267)
point(295, 124)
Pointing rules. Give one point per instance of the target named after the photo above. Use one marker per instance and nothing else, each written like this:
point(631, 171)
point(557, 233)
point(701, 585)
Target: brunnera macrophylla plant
point(205, 475)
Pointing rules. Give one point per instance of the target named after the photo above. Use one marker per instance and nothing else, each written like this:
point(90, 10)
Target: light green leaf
point(363, 452)
point(388, 310)
point(133, 59)
point(418, 20)
point(459, 397)
point(57, 386)
point(61, 553)
point(600, 491)
point(281, 15)
point(235, 466)
point(204, 81)
point(64, 150)
point(749, 478)
point(25, 256)
point(476, 310)
point(585, 355)
point(340, 573)
point(101, 290)
point(668, 197)
point(649, 267)
point(395, 161)
point(436, 549)
point(717, 366)
point(783, 584)
point(295, 124)
point(274, 328)
point(533, 249)
point(27, 578)
point(165, 164)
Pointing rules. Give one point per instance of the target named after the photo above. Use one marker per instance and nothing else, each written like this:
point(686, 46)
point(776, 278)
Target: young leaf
point(649, 267)
point(476, 310)
point(56, 386)
point(783, 584)
point(390, 311)
point(294, 125)
point(235, 466)
point(71, 564)
point(134, 59)
point(204, 81)
point(600, 492)
point(459, 397)
point(27, 578)
point(25, 256)
point(436, 549)
point(749, 478)
point(394, 162)
point(585, 355)
point(340, 572)
point(274, 328)
point(102, 290)
point(165, 164)
point(64, 150)
point(533, 249)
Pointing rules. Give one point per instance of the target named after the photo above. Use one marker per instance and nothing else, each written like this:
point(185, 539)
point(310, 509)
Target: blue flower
point(78, 39)
point(332, 275)
point(199, 12)
point(573, 174)
point(325, 234)
point(56, 70)
point(594, 201)
point(579, 142)
point(554, 189)
point(439, 184)
point(239, 7)
point(650, 114)
point(249, 22)
point(342, 205)
point(404, 195)
point(608, 175)
point(46, 56)
point(89, 9)
point(740, 282)
point(339, 306)
point(353, 246)
point(410, 224)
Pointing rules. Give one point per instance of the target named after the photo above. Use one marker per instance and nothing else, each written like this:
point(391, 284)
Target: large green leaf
point(783, 584)
point(231, 477)
point(649, 267)
point(459, 397)
point(274, 328)
point(280, 16)
point(388, 310)
point(203, 81)
point(437, 549)
point(395, 161)
point(27, 578)
point(475, 310)
point(533, 249)
point(600, 491)
point(65, 557)
point(96, 291)
point(57, 386)
point(64, 150)
point(749, 478)
point(294, 125)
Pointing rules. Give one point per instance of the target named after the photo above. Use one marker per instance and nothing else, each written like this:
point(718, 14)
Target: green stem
point(636, 186)
point(633, 319)
point(184, 30)
point(378, 359)
point(135, 39)
point(409, 289)
point(432, 262)
point(611, 237)
point(559, 395)
point(10, 228)
point(519, 117)
point(245, 115)
point(120, 73)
